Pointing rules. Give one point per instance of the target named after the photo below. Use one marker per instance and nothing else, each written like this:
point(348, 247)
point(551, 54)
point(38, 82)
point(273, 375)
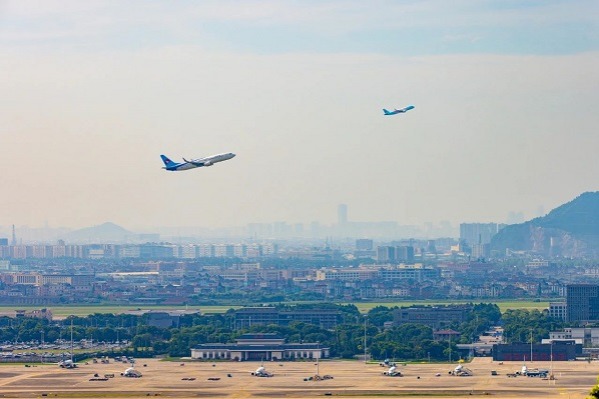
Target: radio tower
point(14, 236)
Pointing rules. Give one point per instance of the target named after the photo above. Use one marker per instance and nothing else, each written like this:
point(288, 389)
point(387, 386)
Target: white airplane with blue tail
point(398, 111)
point(194, 163)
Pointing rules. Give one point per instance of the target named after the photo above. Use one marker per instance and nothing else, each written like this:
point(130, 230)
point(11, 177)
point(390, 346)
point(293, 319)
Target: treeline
point(529, 325)
point(406, 342)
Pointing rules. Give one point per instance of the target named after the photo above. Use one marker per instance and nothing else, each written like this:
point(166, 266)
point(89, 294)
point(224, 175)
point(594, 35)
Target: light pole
point(551, 368)
point(365, 323)
point(531, 345)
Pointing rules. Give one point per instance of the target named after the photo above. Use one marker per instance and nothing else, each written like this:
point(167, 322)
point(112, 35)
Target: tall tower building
point(14, 236)
point(477, 233)
point(341, 214)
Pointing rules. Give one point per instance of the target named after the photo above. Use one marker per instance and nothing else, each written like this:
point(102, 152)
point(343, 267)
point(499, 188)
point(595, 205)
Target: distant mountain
point(570, 230)
point(104, 233)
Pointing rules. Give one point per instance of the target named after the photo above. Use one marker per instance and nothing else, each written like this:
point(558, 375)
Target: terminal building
point(260, 347)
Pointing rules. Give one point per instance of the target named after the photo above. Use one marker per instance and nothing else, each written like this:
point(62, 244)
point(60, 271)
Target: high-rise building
point(477, 233)
point(558, 310)
point(400, 253)
point(385, 253)
point(14, 236)
point(481, 251)
point(364, 244)
point(404, 254)
point(582, 302)
point(364, 248)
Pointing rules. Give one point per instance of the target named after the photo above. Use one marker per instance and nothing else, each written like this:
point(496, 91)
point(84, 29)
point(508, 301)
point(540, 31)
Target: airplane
point(261, 372)
point(461, 371)
point(398, 111)
point(532, 372)
point(194, 163)
point(393, 372)
point(67, 364)
point(131, 373)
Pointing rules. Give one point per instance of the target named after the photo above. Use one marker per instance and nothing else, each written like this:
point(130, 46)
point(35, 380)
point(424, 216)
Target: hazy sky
point(506, 118)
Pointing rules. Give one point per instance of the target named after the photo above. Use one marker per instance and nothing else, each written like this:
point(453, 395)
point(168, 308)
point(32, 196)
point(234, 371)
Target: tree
point(520, 323)
point(594, 394)
point(380, 314)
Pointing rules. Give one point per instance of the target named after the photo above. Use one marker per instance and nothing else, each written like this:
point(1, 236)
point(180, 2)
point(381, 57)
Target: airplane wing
point(195, 162)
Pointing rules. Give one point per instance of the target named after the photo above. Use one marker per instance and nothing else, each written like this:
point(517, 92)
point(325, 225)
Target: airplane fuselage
point(398, 111)
point(198, 163)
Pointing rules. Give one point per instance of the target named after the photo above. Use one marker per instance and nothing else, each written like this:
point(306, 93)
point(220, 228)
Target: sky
point(505, 119)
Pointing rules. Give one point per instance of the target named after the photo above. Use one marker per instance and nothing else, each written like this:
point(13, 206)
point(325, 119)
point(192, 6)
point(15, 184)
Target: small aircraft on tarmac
point(194, 163)
point(398, 111)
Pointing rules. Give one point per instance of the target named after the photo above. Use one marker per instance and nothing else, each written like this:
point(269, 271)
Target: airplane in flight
point(398, 111)
point(194, 163)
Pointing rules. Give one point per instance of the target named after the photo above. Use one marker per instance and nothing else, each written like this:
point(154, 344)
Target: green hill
point(570, 230)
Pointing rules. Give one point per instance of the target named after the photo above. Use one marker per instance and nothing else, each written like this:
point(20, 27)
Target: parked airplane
point(393, 372)
point(131, 373)
point(532, 372)
point(261, 372)
point(194, 163)
point(461, 371)
point(398, 111)
point(67, 364)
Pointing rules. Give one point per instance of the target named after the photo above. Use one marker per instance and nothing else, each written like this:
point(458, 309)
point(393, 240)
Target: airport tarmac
point(351, 379)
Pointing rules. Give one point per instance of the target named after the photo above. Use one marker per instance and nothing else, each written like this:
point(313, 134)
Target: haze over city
point(505, 119)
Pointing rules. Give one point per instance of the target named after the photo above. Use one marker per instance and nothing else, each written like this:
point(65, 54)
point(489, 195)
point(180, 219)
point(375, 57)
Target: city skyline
point(343, 227)
point(504, 120)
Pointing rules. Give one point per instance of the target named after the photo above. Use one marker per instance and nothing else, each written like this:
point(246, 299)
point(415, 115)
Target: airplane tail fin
point(386, 112)
point(166, 160)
